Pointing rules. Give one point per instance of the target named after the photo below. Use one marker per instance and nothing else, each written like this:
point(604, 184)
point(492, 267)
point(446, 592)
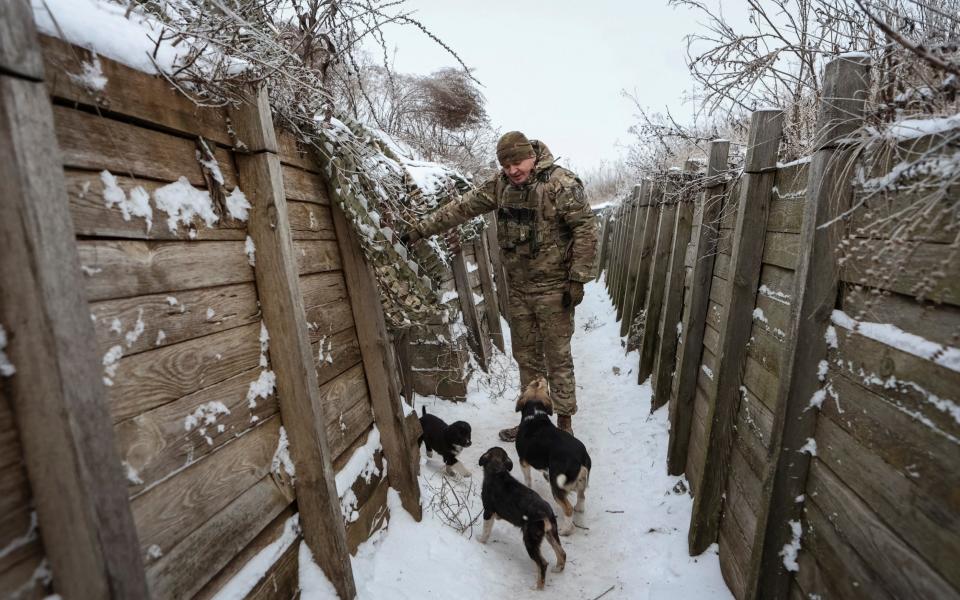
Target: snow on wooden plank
point(334, 354)
point(93, 142)
point(294, 153)
point(142, 323)
point(346, 408)
point(131, 93)
point(150, 379)
point(161, 441)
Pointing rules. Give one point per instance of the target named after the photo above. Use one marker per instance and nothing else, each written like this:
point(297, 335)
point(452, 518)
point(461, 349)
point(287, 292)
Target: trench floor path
point(630, 542)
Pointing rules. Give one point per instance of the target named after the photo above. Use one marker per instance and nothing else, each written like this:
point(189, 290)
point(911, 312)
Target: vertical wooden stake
point(695, 318)
point(378, 365)
point(665, 359)
point(490, 301)
point(604, 240)
point(766, 129)
point(469, 308)
point(641, 194)
point(648, 239)
point(630, 239)
point(57, 392)
point(499, 274)
point(845, 85)
point(278, 289)
point(658, 275)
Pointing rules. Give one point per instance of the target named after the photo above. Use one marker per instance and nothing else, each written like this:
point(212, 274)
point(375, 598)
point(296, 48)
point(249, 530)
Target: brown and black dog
point(541, 445)
point(506, 498)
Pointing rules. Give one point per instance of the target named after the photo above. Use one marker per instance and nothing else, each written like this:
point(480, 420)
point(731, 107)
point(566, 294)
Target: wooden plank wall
point(178, 311)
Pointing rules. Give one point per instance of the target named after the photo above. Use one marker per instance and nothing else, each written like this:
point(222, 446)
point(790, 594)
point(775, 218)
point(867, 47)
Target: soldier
point(548, 239)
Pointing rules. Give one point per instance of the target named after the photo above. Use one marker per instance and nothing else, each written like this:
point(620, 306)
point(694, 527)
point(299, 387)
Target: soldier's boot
point(565, 422)
point(509, 434)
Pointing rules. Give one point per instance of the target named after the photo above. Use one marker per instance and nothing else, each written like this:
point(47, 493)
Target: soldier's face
point(519, 172)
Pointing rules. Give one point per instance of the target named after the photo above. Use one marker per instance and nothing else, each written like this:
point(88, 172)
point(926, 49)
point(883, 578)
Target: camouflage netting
point(384, 189)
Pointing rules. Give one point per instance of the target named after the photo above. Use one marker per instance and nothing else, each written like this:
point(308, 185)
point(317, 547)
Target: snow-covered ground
point(630, 543)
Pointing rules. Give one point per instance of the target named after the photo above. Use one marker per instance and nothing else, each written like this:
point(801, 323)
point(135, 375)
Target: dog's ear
point(484, 458)
point(549, 406)
point(509, 464)
point(521, 399)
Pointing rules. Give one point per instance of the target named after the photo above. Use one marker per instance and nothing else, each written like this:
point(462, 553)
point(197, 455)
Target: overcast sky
point(555, 69)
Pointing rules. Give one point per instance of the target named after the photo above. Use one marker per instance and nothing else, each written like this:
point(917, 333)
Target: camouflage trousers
point(540, 330)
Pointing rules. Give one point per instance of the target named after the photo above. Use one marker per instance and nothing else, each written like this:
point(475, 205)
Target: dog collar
point(536, 413)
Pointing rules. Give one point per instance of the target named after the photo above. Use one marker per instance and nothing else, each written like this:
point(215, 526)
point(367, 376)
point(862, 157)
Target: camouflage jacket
point(546, 230)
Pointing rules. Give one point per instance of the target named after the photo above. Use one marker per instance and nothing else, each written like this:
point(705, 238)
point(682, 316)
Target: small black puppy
point(506, 498)
point(447, 440)
point(541, 445)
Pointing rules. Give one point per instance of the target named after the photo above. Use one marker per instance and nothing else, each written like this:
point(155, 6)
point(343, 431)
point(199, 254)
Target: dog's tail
point(550, 525)
point(423, 410)
point(583, 478)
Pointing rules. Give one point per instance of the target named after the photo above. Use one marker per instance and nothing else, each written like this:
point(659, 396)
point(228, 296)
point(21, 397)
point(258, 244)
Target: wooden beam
point(695, 318)
point(766, 128)
point(499, 273)
point(658, 275)
point(469, 309)
point(629, 236)
point(647, 241)
point(281, 302)
point(57, 392)
point(633, 258)
point(490, 301)
point(672, 311)
point(816, 281)
point(604, 241)
point(379, 366)
point(617, 264)
point(20, 54)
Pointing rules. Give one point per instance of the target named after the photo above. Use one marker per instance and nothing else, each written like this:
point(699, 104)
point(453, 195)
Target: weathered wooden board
point(913, 214)
point(891, 560)
point(322, 289)
point(786, 215)
point(283, 580)
point(757, 417)
point(20, 54)
point(150, 379)
point(335, 353)
point(89, 141)
point(346, 409)
point(731, 544)
point(294, 153)
point(761, 382)
point(373, 516)
point(174, 508)
point(310, 221)
point(93, 218)
point(922, 517)
point(158, 442)
point(129, 92)
point(304, 186)
point(829, 566)
point(765, 347)
point(316, 256)
point(179, 317)
point(781, 249)
point(135, 268)
point(328, 319)
point(930, 271)
point(178, 573)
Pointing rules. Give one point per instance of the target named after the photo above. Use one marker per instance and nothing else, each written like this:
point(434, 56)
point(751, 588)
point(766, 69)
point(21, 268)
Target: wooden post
point(665, 359)
point(490, 302)
point(759, 173)
point(615, 248)
point(378, 365)
point(632, 257)
point(653, 199)
point(695, 318)
point(845, 85)
point(278, 289)
point(626, 214)
point(499, 273)
point(657, 280)
point(604, 239)
point(469, 308)
point(57, 392)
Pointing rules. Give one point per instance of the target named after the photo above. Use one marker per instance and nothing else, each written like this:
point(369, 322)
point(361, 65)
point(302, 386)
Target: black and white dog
point(446, 440)
point(506, 498)
point(541, 445)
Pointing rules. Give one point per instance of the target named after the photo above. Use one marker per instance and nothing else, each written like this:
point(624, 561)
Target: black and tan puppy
point(506, 498)
point(446, 440)
point(541, 445)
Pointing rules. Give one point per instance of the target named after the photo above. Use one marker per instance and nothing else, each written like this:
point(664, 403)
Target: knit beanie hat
point(513, 147)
